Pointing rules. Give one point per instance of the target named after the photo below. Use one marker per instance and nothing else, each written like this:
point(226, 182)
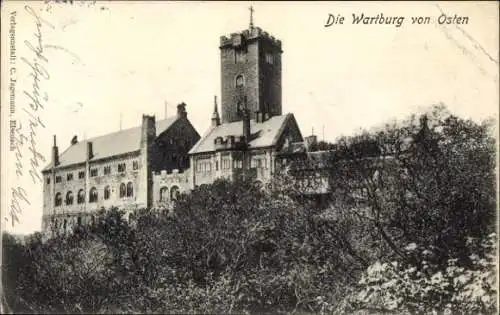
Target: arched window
point(163, 194)
point(58, 199)
point(123, 190)
point(69, 198)
point(93, 195)
point(240, 81)
point(65, 225)
point(81, 196)
point(174, 193)
point(107, 192)
point(92, 220)
point(130, 189)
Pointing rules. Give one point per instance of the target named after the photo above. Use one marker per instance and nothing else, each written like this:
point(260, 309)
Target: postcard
point(234, 157)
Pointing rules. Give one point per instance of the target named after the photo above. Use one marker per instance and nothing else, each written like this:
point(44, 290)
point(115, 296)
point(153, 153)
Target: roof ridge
point(124, 130)
point(129, 134)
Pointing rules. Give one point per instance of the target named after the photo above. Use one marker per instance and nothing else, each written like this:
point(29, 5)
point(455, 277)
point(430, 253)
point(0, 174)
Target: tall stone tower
point(250, 74)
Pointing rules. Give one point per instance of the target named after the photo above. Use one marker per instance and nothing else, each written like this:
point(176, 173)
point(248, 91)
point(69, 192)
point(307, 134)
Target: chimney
point(90, 150)
point(181, 110)
point(148, 135)
point(55, 153)
point(74, 140)
point(148, 128)
point(246, 125)
point(215, 115)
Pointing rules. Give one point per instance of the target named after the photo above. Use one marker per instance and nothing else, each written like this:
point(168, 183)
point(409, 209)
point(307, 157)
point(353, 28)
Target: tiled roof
point(264, 134)
point(116, 143)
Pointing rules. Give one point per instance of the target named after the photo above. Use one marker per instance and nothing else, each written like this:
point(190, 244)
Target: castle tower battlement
point(250, 74)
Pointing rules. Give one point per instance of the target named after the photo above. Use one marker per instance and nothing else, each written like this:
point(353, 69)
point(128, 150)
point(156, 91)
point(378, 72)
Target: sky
point(108, 63)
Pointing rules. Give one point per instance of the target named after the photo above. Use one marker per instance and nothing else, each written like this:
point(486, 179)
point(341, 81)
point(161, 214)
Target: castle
point(149, 165)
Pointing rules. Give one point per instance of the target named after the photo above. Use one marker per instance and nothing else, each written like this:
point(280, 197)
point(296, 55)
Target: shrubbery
point(417, 237)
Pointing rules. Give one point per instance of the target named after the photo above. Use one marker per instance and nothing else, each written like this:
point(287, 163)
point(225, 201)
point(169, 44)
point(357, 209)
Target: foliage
point(426, 288)
point(408, 228)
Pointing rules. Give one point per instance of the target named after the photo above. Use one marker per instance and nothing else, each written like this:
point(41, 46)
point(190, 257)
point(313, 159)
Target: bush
point(428, 288)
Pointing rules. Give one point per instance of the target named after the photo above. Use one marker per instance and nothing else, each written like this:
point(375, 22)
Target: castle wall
point(113, 180)
point(167, 185)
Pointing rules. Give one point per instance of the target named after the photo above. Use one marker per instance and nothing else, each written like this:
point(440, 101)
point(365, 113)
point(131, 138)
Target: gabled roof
point(265, 134)
point(112, 144)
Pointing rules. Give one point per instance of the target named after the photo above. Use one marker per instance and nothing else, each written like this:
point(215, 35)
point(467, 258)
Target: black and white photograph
point(236, 157)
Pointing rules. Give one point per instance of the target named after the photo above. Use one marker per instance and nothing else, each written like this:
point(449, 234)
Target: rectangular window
point(226, 164)
point(121, 167)
point(203, 166)
point(216, 165)
point(269, 58)
point(93, 172)
point(69, 176)
point(58, 179)
point(135, 165)
point(258, 163)
point(238, 163)
point(48, 180)
point(107, 170)
point(81, 174)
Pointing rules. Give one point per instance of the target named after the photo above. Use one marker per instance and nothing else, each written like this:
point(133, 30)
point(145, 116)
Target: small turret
point(181, 110)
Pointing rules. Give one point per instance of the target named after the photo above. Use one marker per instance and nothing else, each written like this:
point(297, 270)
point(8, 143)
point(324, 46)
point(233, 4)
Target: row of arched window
point(125, 191)
point(174, 193)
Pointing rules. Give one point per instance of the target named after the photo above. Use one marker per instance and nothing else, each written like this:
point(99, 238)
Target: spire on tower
point(215, 115)
point(251, 17)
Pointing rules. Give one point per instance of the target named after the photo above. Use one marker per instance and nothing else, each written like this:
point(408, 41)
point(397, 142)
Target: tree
point(433, 184)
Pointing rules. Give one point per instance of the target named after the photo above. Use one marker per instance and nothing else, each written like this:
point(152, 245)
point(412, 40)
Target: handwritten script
point(28, 124)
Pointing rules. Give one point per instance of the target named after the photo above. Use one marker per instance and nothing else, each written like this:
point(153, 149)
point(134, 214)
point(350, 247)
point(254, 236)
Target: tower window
point(240, 81)
point(269, 58)
point(239, 56)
